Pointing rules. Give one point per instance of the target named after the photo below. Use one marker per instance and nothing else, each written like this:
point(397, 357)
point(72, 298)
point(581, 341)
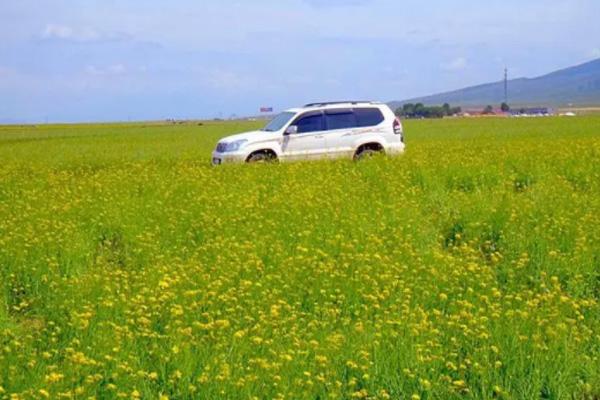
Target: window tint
point(340, 119)
point(310, 123)
point(368, 116)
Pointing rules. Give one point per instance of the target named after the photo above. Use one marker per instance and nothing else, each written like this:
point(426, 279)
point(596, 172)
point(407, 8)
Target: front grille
point(221, 147)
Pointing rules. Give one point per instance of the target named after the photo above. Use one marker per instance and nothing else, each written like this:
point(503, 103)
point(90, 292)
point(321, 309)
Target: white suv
point(318, 130)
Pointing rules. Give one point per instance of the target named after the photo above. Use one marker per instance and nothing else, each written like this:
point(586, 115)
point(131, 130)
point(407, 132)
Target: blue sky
point(102, 60)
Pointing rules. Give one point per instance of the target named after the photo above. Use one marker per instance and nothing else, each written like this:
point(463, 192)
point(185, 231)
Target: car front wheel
point(262, 157)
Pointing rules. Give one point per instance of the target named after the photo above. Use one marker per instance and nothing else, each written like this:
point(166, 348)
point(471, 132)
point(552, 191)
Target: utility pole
point(506, 85)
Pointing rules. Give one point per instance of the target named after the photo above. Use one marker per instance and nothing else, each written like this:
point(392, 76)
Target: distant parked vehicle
point(349, 129)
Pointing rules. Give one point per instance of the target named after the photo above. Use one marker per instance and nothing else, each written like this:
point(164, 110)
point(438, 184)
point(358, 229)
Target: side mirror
point(291, 130)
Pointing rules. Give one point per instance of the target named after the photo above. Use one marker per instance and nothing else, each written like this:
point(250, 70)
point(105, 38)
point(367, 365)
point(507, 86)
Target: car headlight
point(235, 146)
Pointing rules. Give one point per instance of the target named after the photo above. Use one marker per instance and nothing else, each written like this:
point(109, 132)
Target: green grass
point(467, 268)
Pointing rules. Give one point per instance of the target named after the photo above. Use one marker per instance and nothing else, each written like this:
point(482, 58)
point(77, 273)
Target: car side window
point(312, 122)
point(368, 117)
point(340, 119)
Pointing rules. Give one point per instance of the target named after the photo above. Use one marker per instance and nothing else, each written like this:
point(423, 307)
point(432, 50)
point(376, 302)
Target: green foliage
point(466, 268)
point(418, 110)
point(505, 107)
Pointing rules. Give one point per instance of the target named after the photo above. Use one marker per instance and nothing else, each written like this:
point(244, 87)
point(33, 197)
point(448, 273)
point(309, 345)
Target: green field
point(467, 268)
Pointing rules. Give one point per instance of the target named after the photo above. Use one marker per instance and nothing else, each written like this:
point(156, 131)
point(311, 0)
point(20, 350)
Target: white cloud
point(79, 34)
point(233, 81)
point(458, 64)
point(337, 3)
point(111, 70)
point(226, 80)
point(594, 53)
point(57, 31)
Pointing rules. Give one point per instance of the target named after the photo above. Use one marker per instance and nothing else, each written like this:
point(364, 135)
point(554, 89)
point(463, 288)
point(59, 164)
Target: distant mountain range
point(574, 86)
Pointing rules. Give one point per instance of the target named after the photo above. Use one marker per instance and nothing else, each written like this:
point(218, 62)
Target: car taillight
point(398, 127)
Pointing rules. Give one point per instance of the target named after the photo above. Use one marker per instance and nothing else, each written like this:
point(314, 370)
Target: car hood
point(253, 136)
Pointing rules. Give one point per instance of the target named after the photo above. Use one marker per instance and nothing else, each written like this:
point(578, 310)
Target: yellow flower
point(239, 334)
point(459, 384)
point(54, 377)
point(321, 359)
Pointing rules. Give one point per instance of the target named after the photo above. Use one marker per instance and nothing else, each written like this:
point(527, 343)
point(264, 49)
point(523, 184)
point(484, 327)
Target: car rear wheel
point(366, 153)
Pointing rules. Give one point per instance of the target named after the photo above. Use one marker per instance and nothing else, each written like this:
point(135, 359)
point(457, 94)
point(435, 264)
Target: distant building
point(515, 112)
point(532, 111)
point(480, 112)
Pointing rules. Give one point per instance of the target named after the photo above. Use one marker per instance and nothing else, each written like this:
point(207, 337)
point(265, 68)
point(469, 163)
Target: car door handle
point(319, 137)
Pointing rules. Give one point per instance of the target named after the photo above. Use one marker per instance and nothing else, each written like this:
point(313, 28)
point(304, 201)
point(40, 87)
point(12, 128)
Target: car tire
point(367, 153)
point(261, 157)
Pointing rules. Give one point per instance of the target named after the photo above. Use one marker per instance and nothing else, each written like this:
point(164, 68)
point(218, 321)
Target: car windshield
point(279, 122)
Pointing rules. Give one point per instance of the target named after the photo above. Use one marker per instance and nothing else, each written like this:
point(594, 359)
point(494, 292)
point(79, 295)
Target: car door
point(309, 140)
point(341, 125)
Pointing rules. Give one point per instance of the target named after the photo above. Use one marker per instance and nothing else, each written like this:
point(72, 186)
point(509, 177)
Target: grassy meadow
point(469, 268)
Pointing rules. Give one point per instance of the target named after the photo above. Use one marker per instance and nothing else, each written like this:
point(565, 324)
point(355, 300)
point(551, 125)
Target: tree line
point(420, 110)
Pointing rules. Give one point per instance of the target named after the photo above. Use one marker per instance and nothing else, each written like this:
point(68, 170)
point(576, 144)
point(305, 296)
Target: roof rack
point(330, 103)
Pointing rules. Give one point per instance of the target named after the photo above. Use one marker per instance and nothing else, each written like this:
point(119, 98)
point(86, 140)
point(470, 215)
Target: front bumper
point(228, 158)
